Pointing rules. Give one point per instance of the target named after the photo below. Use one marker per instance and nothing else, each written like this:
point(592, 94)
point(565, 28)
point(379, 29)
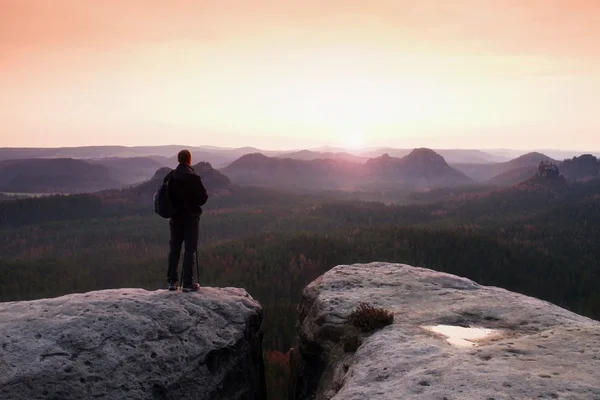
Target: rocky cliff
point(133, 344)
point(450, 338)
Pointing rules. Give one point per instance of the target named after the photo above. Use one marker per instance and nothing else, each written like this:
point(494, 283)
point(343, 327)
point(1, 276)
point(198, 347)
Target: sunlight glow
point(354, 141)
point(276, 87)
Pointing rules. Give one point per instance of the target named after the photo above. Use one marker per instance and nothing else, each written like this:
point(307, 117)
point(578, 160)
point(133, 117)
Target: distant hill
point(547, 176)
point(564, 154)
point(518, 166)
point(132, 169)
point(89, 152)
point(218, 156)
point(68, 175)
point(547, 188)
point(584, 167)
point(214, 181)
point(513, 176)
point(160, 174)
point(452, 156)
point(529, 159)
point(420, 167)
point(58, 175)
point(258, 169)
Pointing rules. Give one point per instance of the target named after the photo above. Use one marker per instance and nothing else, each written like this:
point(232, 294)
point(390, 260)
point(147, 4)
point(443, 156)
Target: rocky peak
point(547, 177)
point(424, 155)
point(212, 179)
point(548, 171)
point(160, 174)
point(133, 344)
point(384, 161)
point(450, 338)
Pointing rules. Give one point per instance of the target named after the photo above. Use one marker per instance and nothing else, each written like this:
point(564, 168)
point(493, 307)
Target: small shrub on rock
point(368, 318)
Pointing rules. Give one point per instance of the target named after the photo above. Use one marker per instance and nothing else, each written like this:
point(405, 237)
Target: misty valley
point(82, 220)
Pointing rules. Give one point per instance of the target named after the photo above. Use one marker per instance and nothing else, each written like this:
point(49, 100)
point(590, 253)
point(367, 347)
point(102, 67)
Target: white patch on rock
point(460, 336)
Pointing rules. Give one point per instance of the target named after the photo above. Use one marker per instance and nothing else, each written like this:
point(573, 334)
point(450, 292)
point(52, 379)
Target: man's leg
point(177, 235)
point(192, 228)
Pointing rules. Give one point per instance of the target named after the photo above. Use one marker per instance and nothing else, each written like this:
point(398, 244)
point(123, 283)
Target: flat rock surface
point(133, 344)
point(533, 349)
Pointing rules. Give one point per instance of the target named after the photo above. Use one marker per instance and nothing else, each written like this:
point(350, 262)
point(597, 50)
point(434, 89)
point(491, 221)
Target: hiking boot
point(172, 285)
point(191, 287)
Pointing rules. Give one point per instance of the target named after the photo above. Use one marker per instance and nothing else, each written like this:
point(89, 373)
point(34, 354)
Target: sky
point(519, 74)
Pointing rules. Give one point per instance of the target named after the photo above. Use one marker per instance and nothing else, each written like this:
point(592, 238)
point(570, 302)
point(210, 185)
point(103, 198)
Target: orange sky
point(438, 73)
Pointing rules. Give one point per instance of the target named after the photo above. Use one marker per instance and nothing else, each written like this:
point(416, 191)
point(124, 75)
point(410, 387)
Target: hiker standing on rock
point(187, 195)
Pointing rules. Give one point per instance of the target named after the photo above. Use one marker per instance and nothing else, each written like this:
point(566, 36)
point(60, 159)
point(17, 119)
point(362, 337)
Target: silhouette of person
point(188, 195)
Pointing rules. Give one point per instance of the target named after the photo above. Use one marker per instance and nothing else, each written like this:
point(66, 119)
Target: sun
point(354, 141)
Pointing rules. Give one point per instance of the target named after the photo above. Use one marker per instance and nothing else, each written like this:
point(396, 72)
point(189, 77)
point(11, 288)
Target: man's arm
point(200, 190)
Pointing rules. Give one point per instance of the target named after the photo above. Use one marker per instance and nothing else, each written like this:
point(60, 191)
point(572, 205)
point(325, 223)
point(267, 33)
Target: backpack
point(162, 202)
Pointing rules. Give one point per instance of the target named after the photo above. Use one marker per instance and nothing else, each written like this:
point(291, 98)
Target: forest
point(536, 239)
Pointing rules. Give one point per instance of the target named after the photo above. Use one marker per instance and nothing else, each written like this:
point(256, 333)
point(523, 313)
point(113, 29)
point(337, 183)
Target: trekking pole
point(197, 267)
point(181, 280)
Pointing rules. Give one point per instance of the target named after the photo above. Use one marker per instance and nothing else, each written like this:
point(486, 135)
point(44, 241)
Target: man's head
point(184, 157)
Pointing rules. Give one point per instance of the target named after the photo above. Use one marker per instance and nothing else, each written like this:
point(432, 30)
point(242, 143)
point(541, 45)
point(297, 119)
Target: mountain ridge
point(488, 172)
point(420, 167)
point(63, 175)
point(214, 181)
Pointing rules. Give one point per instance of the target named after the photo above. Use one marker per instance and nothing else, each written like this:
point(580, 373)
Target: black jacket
point(187, 192)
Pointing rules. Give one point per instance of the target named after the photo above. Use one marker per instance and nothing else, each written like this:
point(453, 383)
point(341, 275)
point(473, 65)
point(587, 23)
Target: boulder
point(133, 344)
point(450, 338)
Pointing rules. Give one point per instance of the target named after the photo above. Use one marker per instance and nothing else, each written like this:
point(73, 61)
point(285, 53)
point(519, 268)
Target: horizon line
point(311, 148)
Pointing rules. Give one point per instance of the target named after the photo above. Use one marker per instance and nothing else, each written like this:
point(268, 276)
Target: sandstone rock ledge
point(536, 350)
point(133, 344)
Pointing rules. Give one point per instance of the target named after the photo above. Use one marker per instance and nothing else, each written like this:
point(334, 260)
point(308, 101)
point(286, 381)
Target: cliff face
point(133, 344)
point(450, 339)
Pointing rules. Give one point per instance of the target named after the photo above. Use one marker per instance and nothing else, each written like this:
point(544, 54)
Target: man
point(188, 195)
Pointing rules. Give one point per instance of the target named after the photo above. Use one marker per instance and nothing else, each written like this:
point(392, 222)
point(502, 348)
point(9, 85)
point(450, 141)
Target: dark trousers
point(183, 230)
